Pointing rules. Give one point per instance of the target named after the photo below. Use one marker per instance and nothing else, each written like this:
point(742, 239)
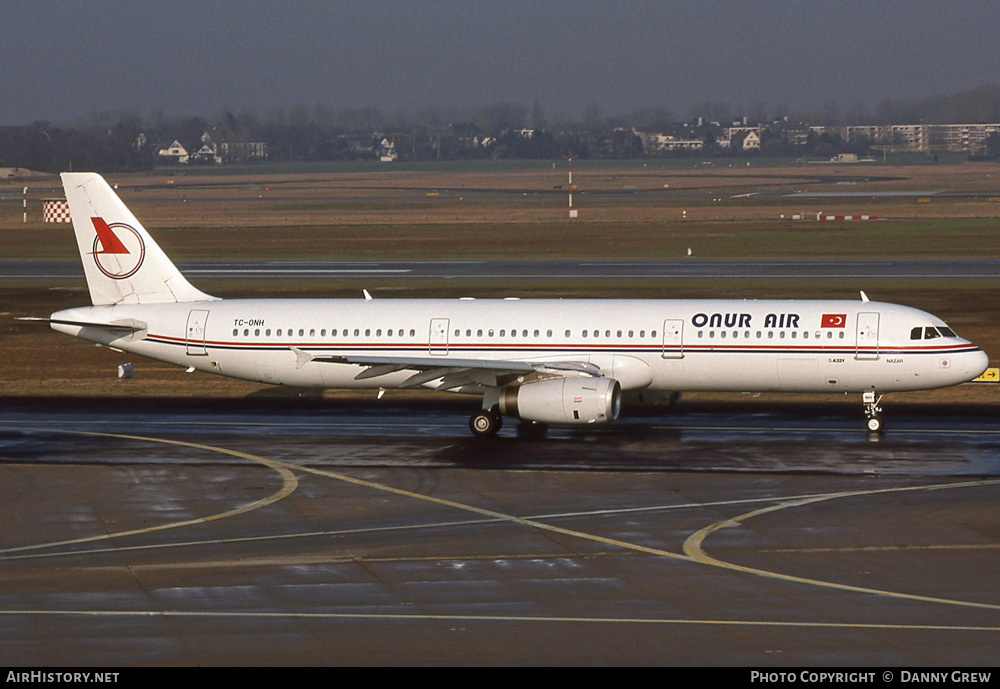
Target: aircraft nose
point(977, 363)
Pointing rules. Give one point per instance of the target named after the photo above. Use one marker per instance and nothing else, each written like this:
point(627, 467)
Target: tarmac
point(303, 532)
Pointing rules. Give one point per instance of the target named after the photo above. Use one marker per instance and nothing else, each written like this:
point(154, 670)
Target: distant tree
point(993, 145)
point(497, 117)
point(713, 111)
point(650, 119)
point(592, 115)
point(537, 117)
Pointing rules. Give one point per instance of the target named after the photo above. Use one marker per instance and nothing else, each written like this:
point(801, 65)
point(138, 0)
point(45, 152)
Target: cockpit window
point(930, 333)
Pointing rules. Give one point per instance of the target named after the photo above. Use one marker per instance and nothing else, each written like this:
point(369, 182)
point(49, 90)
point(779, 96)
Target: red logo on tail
point(110, 244)
point(118, 249)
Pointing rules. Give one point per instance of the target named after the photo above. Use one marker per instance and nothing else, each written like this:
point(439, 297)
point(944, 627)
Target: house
point(174, 153)
point(387, 151)
point(207, 153)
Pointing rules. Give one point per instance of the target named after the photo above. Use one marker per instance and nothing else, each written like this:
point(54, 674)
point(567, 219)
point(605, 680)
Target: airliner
point(539, 360)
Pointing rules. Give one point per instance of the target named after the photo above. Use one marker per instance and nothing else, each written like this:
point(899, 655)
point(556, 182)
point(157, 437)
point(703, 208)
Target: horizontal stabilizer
point(126, 324)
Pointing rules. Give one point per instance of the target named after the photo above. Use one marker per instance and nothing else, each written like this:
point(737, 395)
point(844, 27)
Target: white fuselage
point(656, 345)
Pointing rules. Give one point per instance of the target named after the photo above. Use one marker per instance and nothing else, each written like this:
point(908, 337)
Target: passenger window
point(235, 332)
point(567, 333)
point(256, 332)
point(246, 332)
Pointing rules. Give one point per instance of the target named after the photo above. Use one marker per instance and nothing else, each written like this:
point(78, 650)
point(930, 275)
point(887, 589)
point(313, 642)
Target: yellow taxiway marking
point(289, 482)
point(694, 545)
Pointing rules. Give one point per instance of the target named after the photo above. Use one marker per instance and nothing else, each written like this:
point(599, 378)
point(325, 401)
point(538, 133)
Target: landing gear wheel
point(485, 422)
point(875, 424)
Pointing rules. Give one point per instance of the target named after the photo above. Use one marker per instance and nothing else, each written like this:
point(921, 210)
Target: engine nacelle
point(564, 400)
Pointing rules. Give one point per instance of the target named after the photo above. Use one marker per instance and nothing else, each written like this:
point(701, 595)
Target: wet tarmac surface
point(302, 532)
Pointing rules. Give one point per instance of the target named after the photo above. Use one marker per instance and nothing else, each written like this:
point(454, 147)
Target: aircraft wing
point(453, 372)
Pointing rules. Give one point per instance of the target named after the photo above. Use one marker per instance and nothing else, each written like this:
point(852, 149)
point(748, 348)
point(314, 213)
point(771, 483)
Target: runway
point(354, 532)
point(866, 270)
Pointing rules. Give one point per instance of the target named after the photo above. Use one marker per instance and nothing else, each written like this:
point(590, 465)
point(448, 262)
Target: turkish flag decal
point(833, 320)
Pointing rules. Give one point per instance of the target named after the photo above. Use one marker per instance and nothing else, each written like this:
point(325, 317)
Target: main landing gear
point(873, 412)
point(486, 422)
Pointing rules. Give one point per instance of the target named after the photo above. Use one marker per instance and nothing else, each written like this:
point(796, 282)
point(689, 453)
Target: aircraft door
point(867, 342)
point(673, 339)
point(438, 339)
point(195, 336)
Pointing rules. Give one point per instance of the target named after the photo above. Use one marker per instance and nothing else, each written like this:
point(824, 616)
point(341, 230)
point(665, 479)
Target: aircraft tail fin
point(122, 263)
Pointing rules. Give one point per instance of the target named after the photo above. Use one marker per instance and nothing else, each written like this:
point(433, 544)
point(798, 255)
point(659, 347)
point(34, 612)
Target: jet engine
point(564, 400)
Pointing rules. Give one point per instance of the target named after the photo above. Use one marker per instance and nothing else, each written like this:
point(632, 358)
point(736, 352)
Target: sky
point(63, 59)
